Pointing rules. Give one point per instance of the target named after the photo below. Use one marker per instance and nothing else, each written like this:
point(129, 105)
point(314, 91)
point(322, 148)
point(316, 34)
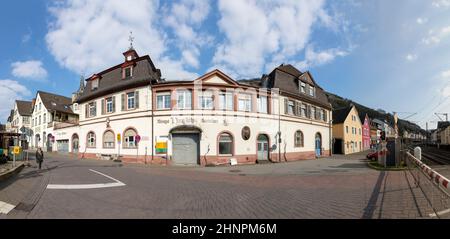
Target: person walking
point(39, 157)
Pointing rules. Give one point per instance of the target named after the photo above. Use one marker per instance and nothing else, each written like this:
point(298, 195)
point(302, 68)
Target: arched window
point(298, 141)
point(129, 138)
point(225, 144)
point(108, 139)
point(91, 140)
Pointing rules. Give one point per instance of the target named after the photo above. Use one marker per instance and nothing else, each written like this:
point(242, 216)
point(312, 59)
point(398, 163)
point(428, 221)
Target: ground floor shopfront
point(197, 139)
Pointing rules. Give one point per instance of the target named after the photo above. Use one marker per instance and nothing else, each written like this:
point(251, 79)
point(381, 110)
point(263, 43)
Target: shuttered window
point(108, 139)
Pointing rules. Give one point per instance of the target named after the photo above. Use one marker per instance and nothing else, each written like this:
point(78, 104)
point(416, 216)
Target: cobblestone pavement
point(341, 187)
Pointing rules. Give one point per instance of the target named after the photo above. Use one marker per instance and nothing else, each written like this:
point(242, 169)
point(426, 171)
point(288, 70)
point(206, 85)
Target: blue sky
point(384, 54)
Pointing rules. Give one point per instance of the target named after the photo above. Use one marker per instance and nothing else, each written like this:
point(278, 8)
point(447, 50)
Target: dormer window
point(312, 90)
point(302, 87)
point(127, 72)
point(94, 84)
point(129, 58)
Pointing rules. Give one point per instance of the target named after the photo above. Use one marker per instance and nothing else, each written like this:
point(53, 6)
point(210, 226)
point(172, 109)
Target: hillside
point(339, 102)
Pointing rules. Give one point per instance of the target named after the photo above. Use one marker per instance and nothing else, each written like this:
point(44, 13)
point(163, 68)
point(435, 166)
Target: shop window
point(225, 144)
point(129, 138)
point(91, 140)
point(108, 139)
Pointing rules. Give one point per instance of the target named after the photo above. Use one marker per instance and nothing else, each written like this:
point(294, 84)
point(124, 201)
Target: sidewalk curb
point(6, 175)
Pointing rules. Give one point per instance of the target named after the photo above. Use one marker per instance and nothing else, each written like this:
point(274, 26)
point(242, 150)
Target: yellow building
point(347, 131)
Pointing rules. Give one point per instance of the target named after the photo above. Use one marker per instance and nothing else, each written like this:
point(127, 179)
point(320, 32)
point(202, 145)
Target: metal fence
point(434, 186)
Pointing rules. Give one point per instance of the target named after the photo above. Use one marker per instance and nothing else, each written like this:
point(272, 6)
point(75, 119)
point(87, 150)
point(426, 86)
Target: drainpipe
point(151, 110)
point(279, 126)
point(331, 137)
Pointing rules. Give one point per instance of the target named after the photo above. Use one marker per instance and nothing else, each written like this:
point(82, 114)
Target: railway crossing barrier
point(435, 187)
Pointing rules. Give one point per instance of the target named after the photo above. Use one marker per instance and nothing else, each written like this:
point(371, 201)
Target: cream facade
point(128, 112)
point(349, 132)
point(445, 136)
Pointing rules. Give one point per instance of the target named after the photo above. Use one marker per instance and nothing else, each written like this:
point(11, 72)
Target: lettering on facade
point(176, 120)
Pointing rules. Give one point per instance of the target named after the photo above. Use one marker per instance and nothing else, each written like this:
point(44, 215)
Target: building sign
point(180, 120)
point(161, 147)
point(118, 138)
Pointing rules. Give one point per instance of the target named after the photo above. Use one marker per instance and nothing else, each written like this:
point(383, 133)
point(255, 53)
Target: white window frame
point(302, 87)
point(94, 84)
point(184, 99)
point(109, 105)
point(92, 106)
point(245, 102)
point(132, 99)
point(226, 101)
point(291, 107)
point(262, 101)
point(206, 100)
point(161, 100)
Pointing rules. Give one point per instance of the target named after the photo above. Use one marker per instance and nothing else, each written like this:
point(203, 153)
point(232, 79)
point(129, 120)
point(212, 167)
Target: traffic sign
point(118, 138)
point(16, 150)
point(137, 138)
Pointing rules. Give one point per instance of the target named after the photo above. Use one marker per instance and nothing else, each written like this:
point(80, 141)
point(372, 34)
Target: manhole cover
point(24, 207)
point(235, 171)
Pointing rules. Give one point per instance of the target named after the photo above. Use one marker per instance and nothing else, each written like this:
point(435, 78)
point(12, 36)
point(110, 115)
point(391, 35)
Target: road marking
point(116, 183)
point(440, 213)
point(5, 208)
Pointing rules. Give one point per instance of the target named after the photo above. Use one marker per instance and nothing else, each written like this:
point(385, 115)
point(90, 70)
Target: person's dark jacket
point(39, 156)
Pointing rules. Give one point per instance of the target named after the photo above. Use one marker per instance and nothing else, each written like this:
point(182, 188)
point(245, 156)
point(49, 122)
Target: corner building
point(212, 120)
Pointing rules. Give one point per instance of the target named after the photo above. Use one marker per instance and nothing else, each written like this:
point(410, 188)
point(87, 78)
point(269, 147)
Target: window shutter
point(308, 111)
point(123, 102)
point(113, 104)
point(103, 106)
point(325, 116)
point(86, 110)
point(296, 104)
point(286, 104)
point(136, 99)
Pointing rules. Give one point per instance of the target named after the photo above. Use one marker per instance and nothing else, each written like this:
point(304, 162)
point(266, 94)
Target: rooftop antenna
point(131, 39)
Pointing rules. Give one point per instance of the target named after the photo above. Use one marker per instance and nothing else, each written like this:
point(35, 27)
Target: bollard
point(418, 153)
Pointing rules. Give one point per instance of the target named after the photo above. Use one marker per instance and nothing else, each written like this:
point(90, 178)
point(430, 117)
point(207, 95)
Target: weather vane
point(131, 39)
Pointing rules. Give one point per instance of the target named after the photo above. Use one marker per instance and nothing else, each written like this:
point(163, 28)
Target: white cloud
point(445, 74)
point(436, 37)
point(422, 20)
point(10, 91)
point(317, 58)
point(29, 69)
point(185, 19)
point(255, 30)
point(411, 57)
point(441, 3)
point(89, 36)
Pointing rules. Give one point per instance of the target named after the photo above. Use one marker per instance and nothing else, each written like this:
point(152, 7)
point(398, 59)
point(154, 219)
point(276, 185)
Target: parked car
point(372, 155)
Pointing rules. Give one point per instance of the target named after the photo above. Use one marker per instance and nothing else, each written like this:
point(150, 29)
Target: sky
point(390, 55)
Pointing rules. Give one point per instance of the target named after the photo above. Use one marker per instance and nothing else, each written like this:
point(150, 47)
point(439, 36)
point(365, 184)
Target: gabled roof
point(53, 102)
point(24, 107)
point(339, 115)
point(362, 116)
point(219, 73)
point(287, 78)
point(111, 81)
